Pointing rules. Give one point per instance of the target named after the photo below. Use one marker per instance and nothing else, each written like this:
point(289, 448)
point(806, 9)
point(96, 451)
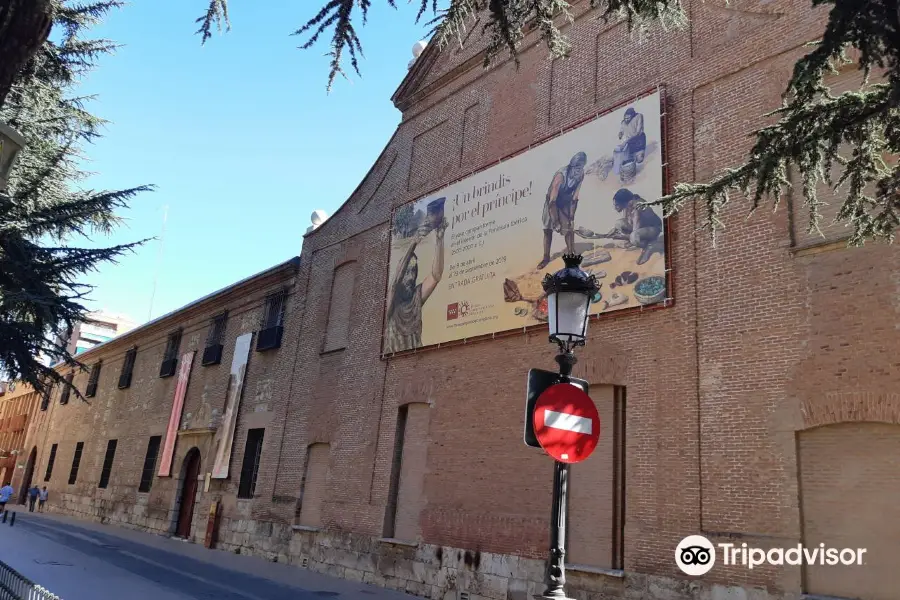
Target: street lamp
point(11, 143)
point(569, 293)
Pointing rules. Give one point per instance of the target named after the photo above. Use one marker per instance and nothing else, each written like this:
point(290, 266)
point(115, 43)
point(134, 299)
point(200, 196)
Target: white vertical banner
point(225, 434)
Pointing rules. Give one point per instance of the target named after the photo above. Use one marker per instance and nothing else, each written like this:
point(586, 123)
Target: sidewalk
point(85, 560)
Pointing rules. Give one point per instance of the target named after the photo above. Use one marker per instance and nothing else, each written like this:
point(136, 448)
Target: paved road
point(86, 561)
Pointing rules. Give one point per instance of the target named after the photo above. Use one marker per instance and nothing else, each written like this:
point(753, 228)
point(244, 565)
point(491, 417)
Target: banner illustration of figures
point(184, 374)
point(225, 435)
point(468, 260)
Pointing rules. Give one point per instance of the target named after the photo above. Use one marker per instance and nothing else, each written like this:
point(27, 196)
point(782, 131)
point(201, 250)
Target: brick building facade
point(18, 408)
point(100, 457)
point(759, 407)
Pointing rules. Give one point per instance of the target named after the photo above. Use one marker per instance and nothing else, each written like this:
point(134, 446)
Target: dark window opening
point(272, 323)
point(212, 353)
point(149, 463)
point(390, 515)
point(250, 467)
point(108, 462)
point(76, 462)
point(48, 393)
point(170, 358)
point(50, 462)
point(67, 389)
point(91, 390)
point(274, 313)
point(127, 369)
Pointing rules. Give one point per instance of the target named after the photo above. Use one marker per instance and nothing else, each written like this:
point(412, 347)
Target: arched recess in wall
point(848, 485)
point(314, 485)
point(406, 497)
point(340, 305)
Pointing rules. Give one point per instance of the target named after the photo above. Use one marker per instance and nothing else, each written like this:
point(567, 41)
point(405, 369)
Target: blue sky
point(238, 135)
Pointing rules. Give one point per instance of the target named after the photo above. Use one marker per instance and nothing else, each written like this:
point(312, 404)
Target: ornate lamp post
point(569, 292)
point(11, 143)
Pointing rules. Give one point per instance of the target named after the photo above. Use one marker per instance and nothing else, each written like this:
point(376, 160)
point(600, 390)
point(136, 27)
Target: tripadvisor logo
point(695, 555)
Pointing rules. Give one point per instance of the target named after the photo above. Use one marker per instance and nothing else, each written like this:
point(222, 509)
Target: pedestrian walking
point(6, 492)
point(33, 493)
point(42, 497)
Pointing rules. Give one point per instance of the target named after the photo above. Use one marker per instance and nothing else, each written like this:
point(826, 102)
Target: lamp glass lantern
point(569, 293)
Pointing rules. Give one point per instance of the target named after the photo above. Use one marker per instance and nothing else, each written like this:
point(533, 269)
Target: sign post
point(562, 419)
point(538, 381)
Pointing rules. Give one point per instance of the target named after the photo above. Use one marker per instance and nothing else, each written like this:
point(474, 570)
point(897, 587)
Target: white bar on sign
point(569, 422)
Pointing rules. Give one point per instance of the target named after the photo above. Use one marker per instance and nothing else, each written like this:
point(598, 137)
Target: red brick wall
point(765, 338)
point(711, 380)
point(849, 488)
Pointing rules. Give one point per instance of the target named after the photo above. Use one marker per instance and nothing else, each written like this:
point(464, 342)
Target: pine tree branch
point(216, 14)
point(812, 136)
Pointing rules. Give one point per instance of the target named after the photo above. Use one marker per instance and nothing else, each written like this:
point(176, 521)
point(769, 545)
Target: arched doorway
point(29, 474)
point(190, 472)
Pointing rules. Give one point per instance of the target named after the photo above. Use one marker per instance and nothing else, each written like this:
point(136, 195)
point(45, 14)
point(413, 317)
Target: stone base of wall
point(424, 570)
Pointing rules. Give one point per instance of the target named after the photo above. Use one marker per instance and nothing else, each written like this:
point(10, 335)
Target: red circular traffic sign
point(566, 423)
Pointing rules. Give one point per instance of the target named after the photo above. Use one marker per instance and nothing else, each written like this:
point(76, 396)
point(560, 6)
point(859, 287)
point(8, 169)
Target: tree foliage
point(814, 131)
point(45, 208)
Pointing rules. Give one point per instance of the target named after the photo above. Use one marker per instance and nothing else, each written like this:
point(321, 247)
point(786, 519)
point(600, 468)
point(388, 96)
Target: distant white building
point(98, 327)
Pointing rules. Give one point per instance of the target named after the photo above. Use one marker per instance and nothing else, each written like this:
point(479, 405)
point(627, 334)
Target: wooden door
point(188, 494)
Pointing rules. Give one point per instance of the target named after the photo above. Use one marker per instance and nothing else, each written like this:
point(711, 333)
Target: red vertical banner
point(184, 373)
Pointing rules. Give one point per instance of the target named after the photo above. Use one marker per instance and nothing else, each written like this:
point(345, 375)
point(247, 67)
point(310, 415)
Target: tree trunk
point(24, 27)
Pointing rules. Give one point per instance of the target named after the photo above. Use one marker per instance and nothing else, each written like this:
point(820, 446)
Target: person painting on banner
point(406, 297)
point(640, 226)
point(560, 205)
point(634, 140)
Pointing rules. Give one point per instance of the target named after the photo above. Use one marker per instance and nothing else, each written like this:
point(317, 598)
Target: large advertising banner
point(184, 374)
point(468, 260)
point(225, 435)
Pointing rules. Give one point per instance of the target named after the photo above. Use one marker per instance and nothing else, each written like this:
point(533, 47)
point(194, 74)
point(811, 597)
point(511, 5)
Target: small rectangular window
point(76, 462)
point(67, 389)
point(50, 462)
point(91, 390)
point(127, 369)
point(172, 345)
point(108, 462)
point(216, 335)
point(170, 359)
point(48, 393)
point(274, 312)
point(250, 467)
point(150, 463)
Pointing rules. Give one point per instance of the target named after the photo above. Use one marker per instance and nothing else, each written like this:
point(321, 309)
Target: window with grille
point(250, 467)
point(127, 369)
point(150, 463)
point(91, 390)
point(215, 338)
point(170, 359)
point(216, 335)
point(172, 345)
point(76, 462)
point(45, 399)
point(108, 463)
point(274, 313)
point(50, 462)
point(67, 389)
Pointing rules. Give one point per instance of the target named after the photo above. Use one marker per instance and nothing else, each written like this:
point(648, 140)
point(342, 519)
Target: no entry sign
point(566, 423)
